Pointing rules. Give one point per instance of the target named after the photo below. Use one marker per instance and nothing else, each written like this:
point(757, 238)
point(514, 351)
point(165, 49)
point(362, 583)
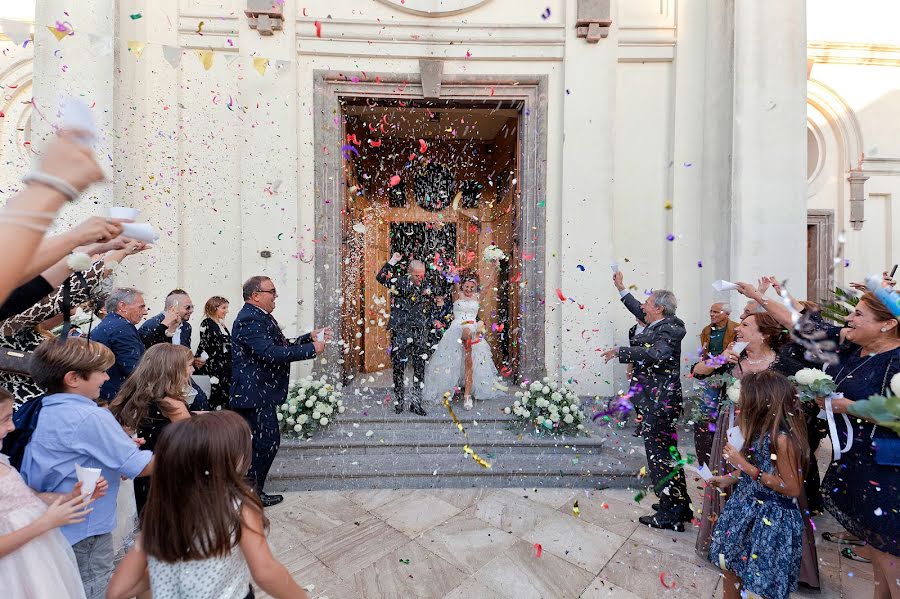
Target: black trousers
point(661, 412)
point(266, 441)
point(403, 352)
point(816, 430)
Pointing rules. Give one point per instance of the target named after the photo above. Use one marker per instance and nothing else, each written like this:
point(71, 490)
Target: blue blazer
point(119, 335)
point(261, 359)
point(153, 332)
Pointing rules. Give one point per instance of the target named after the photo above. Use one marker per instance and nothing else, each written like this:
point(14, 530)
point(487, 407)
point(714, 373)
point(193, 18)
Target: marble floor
point(481, 544)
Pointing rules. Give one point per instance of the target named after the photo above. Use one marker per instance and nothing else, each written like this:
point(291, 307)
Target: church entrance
point(436, 181)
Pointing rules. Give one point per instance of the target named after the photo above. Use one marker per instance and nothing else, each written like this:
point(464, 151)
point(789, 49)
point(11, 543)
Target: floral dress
point(759, 535)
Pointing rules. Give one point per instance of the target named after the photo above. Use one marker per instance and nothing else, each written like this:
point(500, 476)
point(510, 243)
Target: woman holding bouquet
point(764, 337)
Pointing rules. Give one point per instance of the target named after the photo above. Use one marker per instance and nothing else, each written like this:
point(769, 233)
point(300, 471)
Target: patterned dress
point(20, 333)
point(759, 535)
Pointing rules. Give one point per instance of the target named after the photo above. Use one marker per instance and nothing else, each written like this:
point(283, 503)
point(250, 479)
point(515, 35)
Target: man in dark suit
point(177, 312)
point(409, 325)
point(260, 371)
point(655, 354)
point(125, 308)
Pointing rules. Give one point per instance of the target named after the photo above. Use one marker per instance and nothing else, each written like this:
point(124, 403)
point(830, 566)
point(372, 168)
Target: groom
point(409, 325)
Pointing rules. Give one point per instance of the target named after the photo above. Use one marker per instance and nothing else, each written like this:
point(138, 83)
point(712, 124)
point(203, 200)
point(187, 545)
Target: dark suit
point(409, 324)
point(655, 354)
point(118, 334)
point(153, 332)
point(444, 315)
point(260, 372)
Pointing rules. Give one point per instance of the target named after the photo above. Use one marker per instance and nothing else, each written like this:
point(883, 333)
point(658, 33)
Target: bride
point(462, 357)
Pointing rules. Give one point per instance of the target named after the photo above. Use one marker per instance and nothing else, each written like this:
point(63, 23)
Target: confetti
point(580, 267)
point(318, 26)
point(576, 511)
point(423, 147)
point(546, 14)
point(560, 295)
point(670, 237)
point(200, 27)
point(662, 580)
point(395, 180)
point(404, 561)
point(135, 16)
point(538, 550)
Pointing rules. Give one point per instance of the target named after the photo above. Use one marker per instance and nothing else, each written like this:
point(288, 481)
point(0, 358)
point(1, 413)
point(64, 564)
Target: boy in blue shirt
point(72, 429)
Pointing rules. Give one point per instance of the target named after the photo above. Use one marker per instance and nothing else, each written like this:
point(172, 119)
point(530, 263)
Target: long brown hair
point(201, 463)
point(769, 404)
point(773, 333)
point(161, 373)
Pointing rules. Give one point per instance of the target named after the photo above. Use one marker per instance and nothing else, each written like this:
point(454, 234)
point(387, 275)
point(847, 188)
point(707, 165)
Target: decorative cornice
point(885, 55)
point(434, 8)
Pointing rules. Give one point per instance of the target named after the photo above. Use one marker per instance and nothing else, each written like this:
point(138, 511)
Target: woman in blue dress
point(758, 539)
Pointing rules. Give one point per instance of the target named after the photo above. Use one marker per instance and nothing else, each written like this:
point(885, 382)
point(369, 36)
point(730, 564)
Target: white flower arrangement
point(734, 392)
point(493, 254)
point(812, 383)
point(309, 406)
point(550, 406)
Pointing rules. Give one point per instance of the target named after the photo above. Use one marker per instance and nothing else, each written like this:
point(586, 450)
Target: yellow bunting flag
point(260, 64)
point(136, 48)
point(206, 58)
point(57, 32)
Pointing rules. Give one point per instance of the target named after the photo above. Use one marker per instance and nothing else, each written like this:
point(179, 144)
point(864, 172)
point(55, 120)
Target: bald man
point(410, 322)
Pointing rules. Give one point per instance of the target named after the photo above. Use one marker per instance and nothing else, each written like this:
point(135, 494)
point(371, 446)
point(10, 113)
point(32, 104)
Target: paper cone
point(206, 58)
point(17, 31)
point(136, 48)
point(57, 33)
point(172, 54)
point(721, 285)
point(260, 64)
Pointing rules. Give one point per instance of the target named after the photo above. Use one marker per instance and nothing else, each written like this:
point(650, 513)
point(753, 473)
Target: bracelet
point(756, 476)
point(25, 224)
point(54, 182)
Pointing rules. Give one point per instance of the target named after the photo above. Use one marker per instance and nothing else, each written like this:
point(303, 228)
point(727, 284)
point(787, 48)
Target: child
point(758, 538)
point(152, 397)
point(35, 559)
point(74, 430)
point(214, 542)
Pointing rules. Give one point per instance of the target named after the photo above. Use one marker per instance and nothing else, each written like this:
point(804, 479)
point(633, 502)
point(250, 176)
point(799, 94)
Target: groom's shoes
point(270, 500)
point(398, 407)
point(417, 409)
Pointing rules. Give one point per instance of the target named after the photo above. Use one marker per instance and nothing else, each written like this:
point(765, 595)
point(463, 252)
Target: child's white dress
point(45, 567)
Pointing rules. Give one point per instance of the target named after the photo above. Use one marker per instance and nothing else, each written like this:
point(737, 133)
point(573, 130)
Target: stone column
point(768, 220)
point(80, 65)
point(586, 199)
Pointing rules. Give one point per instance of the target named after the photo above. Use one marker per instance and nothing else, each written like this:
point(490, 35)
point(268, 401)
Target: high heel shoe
point(467, 404)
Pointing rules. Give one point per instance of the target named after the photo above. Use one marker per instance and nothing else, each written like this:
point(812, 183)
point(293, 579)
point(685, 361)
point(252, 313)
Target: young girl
point(758, 537)
point(35, 559)
point(152, 397)
point(214, 542)
point(463, 356)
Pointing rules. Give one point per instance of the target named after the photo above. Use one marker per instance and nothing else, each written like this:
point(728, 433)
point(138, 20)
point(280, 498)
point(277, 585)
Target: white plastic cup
point(88, 478)
point(140, 232)
point(320, 336)
point(124, 212)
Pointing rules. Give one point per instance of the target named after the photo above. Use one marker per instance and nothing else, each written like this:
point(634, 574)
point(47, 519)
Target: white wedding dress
point(445, 369)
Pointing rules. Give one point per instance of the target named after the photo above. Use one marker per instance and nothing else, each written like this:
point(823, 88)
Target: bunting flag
point(260, 64)
point(136, 48)
point(206, 58)
point(172, 54)
point(17, 31)
point(102, 45)
point(57, 32)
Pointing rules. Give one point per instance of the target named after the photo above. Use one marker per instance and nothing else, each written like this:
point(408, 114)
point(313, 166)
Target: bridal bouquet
point(310, 405)
point(812, 383)
point(549, 406)
point(493, 254)
point(707, 403)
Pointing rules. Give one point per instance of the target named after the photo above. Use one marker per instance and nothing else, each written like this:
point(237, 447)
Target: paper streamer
point(836, 448)
point(466, 448)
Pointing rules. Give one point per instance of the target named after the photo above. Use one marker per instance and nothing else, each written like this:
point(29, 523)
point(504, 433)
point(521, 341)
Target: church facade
point(537, 143)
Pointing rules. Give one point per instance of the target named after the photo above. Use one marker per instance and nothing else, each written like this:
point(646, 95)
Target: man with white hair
point(409, 324)
point(655, 353)
point(714, 340)
point(719, 333)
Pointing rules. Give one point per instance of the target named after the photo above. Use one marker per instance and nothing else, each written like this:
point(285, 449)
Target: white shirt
point(176, 337)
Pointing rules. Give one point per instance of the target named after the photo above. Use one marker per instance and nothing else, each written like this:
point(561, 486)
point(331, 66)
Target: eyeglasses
point(272, 291)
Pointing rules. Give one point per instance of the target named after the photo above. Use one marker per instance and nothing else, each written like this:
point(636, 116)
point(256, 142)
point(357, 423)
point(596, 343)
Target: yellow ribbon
point(466, 449)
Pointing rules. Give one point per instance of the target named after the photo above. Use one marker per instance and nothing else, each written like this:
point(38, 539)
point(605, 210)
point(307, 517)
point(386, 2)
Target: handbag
point(15, 361)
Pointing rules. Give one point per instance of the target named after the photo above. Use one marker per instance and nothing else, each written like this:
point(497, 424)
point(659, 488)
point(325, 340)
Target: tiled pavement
point(479, 543)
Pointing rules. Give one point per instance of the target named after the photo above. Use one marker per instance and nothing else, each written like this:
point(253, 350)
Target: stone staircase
point(369, 446)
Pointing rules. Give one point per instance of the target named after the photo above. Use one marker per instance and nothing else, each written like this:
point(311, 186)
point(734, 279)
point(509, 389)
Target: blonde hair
point(213, 304)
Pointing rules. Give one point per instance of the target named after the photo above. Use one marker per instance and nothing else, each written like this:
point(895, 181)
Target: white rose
point(895, 384)
point(323, 421)
point(734, 392)
point(291, 421)
point(302, 418)
point(556, 396)
point(568, 419)
point(552, 385)
point(280, 416)
point(518, 394)
point(213, 380)
point(808, 376)
point(535, 386)
point(545, 390)
point(292, 409)
point(506, 410)
point(581, 427)
point(546, 379)
point(323, 392)
point(540, 419)
point(554, 417)
point(516, 404)
point(316, 415)
point(566, 409)
point(298, 428)
point(341, 409)
point(526, 414)
point(309, 403)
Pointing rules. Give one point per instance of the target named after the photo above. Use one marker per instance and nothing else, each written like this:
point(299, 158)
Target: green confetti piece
point(136, 16)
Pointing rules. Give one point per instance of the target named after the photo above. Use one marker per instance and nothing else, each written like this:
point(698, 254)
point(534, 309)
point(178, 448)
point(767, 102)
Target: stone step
point(451, 470)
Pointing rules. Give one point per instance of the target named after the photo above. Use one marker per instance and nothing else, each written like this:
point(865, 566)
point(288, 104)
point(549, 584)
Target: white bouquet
point(551, 407)
point(812, 383)
point(311, 404)
point(493, 254)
